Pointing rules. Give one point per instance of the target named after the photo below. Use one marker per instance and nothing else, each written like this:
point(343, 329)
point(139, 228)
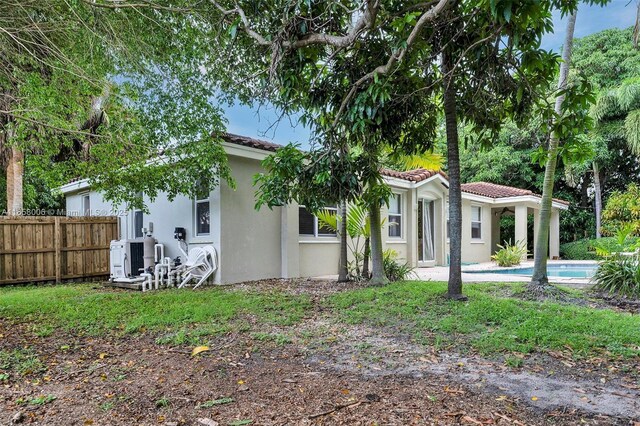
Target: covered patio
point(520, 203)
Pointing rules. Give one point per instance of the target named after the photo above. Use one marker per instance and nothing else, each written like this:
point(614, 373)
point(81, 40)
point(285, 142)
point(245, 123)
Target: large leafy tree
point(347, 66)
point(487, 66)
point(565, 124)
point(97, 89)
point(611, 61)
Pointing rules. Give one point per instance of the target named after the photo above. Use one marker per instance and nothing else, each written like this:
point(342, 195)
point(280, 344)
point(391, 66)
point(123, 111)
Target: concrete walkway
point(441, 273)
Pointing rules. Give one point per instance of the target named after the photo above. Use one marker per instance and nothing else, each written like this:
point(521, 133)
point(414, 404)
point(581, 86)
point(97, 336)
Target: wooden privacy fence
point(54, 248)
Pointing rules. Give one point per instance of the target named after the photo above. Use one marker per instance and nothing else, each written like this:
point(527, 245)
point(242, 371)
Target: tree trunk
point(343, 271)
point(584, 191)
point(377, 273)
point(539, 279)
point(15, 173)
point(365, 260)
point(9, 182)
point(454, 290)
point(598, 196)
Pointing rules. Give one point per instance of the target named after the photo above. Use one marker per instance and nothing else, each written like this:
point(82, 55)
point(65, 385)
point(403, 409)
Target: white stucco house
point(287, 242)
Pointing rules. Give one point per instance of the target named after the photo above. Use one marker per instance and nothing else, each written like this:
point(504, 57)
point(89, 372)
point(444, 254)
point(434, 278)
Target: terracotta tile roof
point(249, 142)
point(417, 175)
point(493, 190)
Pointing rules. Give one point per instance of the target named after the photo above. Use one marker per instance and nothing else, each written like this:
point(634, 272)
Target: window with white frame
point(476, 222)
point(395, 216)
point(309, 226)
point(86, 205)
point(202, 211)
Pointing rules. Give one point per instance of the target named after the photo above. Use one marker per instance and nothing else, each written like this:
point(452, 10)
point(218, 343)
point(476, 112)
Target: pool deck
point(441, 273)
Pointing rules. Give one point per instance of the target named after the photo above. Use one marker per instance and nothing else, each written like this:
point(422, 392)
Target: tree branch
point(370, 11)
point(120, 4)
point(395, 57)
point(49, 126)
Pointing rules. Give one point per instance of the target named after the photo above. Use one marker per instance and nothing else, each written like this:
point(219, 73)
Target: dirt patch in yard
point(318, 372)
point(552, 382)
point(124, 381)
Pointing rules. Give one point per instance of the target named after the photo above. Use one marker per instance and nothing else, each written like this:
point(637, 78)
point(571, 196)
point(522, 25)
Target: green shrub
point(394, 270)
point(510, 254)
point(622, 209)
point(622, 242)
point(578, 250)
point(619, 275)
point(592, 249)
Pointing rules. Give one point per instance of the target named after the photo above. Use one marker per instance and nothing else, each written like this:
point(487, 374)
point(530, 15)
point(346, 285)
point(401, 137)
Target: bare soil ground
point(320, 372)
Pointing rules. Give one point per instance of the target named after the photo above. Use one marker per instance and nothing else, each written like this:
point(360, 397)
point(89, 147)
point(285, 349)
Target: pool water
point(555, 270)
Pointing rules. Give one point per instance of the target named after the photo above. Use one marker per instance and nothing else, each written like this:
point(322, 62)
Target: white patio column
point(554, 237)
point(521, 225)
point(536, 228)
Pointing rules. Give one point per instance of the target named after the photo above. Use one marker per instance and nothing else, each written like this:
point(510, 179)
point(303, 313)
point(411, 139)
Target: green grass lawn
point(490, 322)
point(184, 314)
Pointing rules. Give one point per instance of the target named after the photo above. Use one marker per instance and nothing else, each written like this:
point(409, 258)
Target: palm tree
point(539, 279)
point(617, 109)
point(622, 104)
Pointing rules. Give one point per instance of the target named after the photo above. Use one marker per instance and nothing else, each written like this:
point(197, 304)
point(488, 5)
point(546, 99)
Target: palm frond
point(328, 219)
point(629, 95)
point(428, 160)
point(606, 106)
point(632, 131)
point(357, 218)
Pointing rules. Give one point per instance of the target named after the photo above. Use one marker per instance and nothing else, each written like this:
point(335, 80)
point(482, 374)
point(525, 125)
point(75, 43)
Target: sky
point(263, 123)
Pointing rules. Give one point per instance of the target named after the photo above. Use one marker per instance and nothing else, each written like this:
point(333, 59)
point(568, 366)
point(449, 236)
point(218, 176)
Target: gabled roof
point(417, 175)
point(495, 191)
point(249, 142)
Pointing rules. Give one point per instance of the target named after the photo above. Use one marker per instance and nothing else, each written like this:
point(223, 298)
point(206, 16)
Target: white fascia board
point(511, 200)
point(245, 151)
point(406, 184)
point(530, 199)
point(398, 183)
point(437, 176)
point(561, 206)
point(74, 186)
point(478, 198)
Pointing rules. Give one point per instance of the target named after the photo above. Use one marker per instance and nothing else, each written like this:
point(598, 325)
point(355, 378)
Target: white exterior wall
point(251, 239)
point(319, 257)
point(164, 214)
point(264, 244)
point(99, 207)
point(400, 244)
point(476, 250)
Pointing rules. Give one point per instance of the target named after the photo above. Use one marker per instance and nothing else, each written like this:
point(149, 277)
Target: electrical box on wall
point(180, 234)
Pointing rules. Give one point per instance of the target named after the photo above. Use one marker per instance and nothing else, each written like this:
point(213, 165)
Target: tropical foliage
point(359, 233)
point(394, 269)
point(623, 211)
point(510, 254)
point(100, 90)
point(619, 275)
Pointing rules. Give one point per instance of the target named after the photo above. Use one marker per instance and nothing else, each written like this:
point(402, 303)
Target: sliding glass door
point(426, 228)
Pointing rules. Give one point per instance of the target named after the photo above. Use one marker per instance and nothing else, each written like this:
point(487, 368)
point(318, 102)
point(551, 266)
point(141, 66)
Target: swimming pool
point(556, 270)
